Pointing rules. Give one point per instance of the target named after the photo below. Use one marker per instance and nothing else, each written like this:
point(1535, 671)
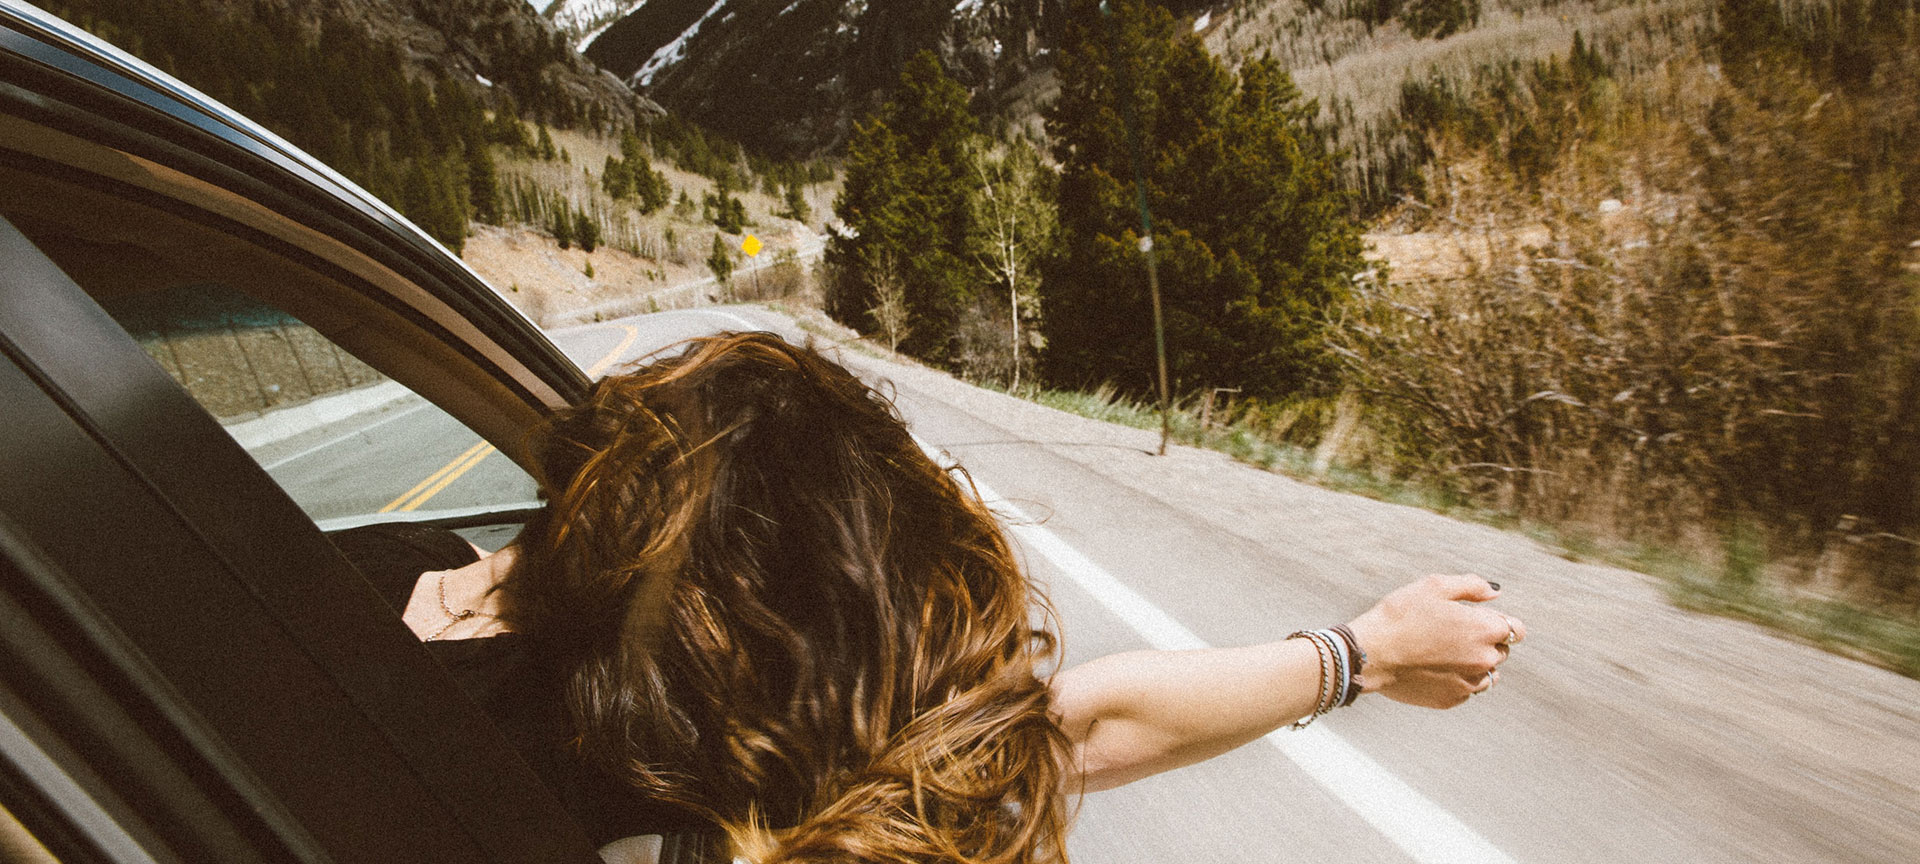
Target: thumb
point(1464, 586)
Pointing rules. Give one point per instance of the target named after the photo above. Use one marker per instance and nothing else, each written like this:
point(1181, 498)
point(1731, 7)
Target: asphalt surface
point(1623, 730)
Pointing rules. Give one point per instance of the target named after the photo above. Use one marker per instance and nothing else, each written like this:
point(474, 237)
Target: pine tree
point(507, 129)
point(652, 187)
point(905, 200)
point(615, 179)
point(544, 148)
point(796, 203)
point(483, 184)
point(586, 231)
point(1251, 232)
point(560, 224)
point(725, 211)
point(1440, 18)
point(720, 260)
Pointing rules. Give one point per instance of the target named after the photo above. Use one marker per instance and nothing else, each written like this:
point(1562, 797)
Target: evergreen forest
point(417, 141)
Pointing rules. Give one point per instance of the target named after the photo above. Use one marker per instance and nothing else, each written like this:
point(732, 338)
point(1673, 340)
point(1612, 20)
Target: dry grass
point(1722, 350)
point(642, 256)
point(1356, 73)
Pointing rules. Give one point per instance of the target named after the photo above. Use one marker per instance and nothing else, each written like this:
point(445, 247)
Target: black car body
point(189, 672)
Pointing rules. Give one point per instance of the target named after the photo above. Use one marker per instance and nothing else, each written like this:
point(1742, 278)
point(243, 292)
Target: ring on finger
point(1513, 635)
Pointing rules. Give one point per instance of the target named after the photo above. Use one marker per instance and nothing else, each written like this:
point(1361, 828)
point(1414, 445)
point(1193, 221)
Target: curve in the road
point(461, 464)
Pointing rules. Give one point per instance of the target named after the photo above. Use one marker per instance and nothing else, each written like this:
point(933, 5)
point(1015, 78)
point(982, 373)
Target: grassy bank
point(1731, 580)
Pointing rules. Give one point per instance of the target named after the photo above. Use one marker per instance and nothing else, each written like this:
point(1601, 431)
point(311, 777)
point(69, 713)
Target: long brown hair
point(776, 613)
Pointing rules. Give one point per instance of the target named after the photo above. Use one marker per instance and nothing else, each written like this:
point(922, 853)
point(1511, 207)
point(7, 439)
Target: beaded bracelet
point(1330, 671)
point(1341, 662)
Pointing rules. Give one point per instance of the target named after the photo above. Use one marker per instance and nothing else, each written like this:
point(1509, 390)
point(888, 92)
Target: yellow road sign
point(751, 245)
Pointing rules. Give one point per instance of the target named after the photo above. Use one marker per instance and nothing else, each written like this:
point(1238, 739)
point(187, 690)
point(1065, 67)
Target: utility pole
point(1146, 220)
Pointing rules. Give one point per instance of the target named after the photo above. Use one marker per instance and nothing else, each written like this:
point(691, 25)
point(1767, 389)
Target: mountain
point(499, 43)
point(790, 76)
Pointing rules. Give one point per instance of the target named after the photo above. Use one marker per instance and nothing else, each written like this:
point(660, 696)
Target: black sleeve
point(392, 555)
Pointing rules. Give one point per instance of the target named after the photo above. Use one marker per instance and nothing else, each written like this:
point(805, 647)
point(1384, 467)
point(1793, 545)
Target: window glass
point(348, 444)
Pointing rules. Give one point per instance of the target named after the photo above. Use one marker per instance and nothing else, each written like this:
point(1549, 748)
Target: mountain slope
point(790, 76)
point(503, 42)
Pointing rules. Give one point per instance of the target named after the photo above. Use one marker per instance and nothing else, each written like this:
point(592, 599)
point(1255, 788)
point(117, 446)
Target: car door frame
point(195, 674)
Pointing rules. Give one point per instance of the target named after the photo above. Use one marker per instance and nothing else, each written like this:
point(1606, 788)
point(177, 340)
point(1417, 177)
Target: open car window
point(347, 443)
point(255, 335)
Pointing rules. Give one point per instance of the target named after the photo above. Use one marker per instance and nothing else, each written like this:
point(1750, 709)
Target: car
point(213, 351)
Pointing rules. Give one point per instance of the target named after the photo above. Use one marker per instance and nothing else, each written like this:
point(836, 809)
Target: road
point(1623, 730)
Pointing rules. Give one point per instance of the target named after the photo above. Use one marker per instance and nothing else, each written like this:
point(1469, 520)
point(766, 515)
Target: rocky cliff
point(790, 76)
point(497, 43)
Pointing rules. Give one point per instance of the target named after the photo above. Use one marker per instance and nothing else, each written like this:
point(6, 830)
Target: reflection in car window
point(348, 444)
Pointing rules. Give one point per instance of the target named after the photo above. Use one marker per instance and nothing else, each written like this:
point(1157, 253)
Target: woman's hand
point(1136, 714)
point(1425, 647)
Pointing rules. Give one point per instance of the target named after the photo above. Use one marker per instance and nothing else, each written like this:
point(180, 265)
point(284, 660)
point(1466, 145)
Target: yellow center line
point(464, 462)
point(451, 476)
point(614, 355)
point(395, 503)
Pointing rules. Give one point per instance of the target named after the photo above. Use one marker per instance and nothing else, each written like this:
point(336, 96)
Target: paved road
point(1623, 731)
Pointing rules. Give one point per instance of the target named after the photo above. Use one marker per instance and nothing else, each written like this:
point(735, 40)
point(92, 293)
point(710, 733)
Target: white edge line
point(355, 433)
point(744, 323)
point(1410, 820)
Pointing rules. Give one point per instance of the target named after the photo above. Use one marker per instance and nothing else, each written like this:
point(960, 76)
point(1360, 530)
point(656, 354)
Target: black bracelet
point(1356, 664)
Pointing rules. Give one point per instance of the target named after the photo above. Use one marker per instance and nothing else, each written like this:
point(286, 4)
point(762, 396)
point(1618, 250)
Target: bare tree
point(889, 309)
point(1017, 225)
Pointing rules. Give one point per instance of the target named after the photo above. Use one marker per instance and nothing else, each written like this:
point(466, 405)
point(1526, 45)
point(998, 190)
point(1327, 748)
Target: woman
point(769, 614)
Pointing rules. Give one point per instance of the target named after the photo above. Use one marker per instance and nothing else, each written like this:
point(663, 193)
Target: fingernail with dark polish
point(1496, 585)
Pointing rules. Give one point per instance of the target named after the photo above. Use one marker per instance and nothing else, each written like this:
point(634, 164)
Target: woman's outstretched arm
point(1136, 714)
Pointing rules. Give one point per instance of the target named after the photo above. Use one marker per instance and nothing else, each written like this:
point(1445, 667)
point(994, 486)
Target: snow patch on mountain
point(672, 52)
point(585, 20)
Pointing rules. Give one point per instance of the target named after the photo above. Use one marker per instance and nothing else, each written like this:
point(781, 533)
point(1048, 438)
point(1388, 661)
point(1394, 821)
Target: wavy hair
point(775, 613)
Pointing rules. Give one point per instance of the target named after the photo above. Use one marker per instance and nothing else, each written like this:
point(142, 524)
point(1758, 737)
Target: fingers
point(1506, 631)
point(1430, 644)
point(1517, 632)
point(1463, 586)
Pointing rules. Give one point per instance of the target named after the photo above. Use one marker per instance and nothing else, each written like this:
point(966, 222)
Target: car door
point(188, 670)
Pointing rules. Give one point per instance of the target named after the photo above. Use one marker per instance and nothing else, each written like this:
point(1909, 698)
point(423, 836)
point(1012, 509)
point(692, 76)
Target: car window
point(255, 332)
point(347, 443)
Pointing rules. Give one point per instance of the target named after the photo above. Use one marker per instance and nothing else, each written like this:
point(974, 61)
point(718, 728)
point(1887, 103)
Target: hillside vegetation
point(453, 153)
point(1720, 329)
point(1358, 60)
point(1686, 297)
point(1677, 297)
